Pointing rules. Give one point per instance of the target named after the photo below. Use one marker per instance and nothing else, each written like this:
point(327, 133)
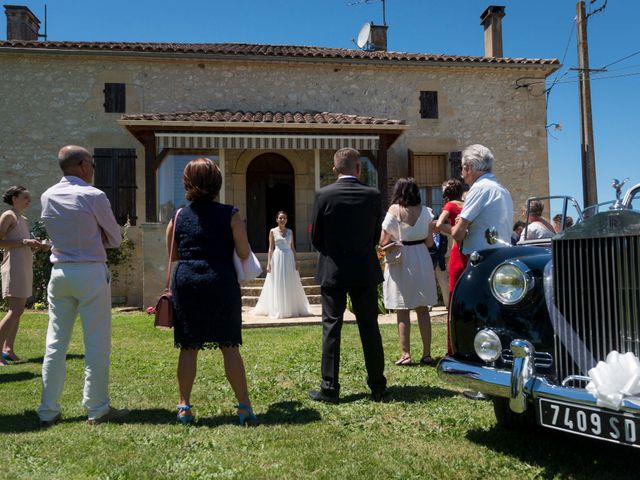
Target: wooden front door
point(270, 188)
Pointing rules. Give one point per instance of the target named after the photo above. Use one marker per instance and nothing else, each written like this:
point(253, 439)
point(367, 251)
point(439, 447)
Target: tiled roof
point(280, 51)
point(264, 117)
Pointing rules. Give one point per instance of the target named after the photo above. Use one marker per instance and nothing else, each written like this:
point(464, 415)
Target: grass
point(425, 430)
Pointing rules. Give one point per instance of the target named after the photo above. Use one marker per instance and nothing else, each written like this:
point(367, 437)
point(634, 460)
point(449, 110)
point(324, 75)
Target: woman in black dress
point(206, 293)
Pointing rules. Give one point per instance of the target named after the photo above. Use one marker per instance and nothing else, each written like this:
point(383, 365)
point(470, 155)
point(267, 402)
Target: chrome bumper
point(520, 385)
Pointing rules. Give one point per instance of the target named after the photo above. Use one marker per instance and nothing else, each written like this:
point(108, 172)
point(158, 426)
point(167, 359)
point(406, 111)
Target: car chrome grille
point(540, 359)
point(597, 292)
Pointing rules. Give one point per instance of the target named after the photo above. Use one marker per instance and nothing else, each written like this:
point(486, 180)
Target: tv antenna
point(369, 2)
point(45, 24)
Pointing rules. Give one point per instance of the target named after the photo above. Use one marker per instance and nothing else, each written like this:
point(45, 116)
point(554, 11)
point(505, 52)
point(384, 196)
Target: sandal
point(426, 360)
point(184, 414)
point(404, 360)
point(10, 357)
point(246, 415)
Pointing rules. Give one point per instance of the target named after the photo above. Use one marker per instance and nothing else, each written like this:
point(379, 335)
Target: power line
point(597, 10)
point(623, 58)
point(577, 79)
point(564, 55)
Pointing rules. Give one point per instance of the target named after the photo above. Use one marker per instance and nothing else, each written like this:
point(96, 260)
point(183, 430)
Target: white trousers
point(85, 289)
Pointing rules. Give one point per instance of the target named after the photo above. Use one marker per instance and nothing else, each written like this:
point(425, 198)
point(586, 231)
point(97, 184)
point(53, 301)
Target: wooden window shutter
point(455, 164)
point(428, 104)
point(115, 97)
point(410, 166)
point(115, 175)
point(428, 170)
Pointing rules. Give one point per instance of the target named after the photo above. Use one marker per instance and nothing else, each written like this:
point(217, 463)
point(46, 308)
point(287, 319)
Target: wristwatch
point(24, 241)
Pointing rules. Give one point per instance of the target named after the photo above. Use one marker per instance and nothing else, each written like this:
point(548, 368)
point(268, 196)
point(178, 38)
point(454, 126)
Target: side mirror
point(491, 235)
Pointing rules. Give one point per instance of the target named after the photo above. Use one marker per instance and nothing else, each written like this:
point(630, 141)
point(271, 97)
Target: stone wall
point(51, 99)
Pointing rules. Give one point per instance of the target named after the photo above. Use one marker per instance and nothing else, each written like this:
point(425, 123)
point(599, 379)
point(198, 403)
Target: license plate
point(590, 422)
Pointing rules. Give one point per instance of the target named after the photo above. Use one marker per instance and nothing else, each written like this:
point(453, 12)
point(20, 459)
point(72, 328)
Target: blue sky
point(540, 28)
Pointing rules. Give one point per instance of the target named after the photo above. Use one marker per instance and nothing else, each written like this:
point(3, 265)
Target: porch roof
point(259, 117)
point(224, 129)
point(263, 130)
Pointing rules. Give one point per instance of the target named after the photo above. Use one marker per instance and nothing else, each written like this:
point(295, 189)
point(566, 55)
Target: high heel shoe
point(187, 418)
point(246, 415)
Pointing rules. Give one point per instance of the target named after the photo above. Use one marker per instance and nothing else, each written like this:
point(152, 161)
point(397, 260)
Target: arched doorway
point(270, 188)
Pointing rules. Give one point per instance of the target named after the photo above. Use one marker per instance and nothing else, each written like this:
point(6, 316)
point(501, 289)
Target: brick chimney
point(491, 20)
point(378, 38)
point(22, 24)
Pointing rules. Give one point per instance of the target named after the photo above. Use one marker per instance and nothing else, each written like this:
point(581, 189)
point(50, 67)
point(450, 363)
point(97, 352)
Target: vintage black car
point(527, 323)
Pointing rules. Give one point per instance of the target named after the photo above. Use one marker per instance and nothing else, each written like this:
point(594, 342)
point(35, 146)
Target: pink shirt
point(79, 221)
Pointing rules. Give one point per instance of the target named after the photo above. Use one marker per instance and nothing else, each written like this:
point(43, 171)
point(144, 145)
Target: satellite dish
point(363, 35)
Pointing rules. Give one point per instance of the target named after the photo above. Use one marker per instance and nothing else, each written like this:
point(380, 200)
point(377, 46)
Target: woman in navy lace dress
point(206, 293)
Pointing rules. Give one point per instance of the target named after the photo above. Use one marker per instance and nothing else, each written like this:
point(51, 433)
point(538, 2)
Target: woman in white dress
point(410, 283)
point(282, 294)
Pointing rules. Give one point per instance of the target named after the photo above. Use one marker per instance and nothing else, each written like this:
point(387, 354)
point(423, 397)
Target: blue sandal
point(187, 418)
point(246, 415)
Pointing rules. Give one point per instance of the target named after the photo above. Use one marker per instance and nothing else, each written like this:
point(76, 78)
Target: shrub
point(121, 255)
point(42, 265)
point(381, 308)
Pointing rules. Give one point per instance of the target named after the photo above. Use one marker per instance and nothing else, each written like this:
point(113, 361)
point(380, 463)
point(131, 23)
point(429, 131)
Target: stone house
point(271, 116)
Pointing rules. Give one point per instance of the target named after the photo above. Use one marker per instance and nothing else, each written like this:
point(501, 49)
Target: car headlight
point(487, 345)
point(510, 282)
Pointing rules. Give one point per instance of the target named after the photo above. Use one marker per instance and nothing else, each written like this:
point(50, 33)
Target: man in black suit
point(346, 226)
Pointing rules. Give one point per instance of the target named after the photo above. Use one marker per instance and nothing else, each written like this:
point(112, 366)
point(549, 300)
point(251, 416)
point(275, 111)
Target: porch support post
point(150, 193)
point(316, 168)
point(382, 170)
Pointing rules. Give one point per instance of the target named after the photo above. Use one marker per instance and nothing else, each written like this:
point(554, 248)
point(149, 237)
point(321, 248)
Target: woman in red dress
point(452, 194)
point(452, 191)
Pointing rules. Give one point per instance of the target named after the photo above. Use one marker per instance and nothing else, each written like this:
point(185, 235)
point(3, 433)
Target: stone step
point(307, 262)
point(256, 290)
point(305, 280)
point(252, 300)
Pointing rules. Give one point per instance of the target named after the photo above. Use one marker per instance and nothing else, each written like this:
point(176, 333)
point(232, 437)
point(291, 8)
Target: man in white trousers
point(81, 225)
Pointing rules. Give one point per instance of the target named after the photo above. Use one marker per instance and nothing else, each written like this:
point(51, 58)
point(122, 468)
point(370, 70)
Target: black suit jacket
point(346, 228)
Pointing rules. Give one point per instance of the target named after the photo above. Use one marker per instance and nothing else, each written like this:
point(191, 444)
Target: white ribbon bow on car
point(615, 380)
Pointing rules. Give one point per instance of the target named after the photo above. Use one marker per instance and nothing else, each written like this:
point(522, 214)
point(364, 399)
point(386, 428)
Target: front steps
point(307, 268)
point(251, 291)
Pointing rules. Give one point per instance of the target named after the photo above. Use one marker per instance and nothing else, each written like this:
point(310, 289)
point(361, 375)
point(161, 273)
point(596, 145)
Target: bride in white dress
point(282, 294)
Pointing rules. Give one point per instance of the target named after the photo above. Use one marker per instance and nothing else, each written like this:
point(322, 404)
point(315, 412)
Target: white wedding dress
point(282, 294)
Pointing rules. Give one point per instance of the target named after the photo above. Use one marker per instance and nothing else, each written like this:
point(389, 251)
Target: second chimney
point(22, 24)
point(378, 38)
point(491, 20)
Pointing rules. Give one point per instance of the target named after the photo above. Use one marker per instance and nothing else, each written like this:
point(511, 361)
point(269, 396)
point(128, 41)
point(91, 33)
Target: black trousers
point(365, 308)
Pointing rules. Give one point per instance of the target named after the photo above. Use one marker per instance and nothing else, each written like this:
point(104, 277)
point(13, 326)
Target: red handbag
point(164, 307)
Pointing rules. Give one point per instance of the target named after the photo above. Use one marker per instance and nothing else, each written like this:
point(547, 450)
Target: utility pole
point(589, 190)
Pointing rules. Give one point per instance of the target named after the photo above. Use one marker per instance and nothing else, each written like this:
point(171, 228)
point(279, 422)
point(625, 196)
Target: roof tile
point(263, 117)
point(256, 50)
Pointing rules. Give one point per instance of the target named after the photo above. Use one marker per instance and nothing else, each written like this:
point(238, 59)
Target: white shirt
point(488, 204)
point(80, 222)
point(537, 230)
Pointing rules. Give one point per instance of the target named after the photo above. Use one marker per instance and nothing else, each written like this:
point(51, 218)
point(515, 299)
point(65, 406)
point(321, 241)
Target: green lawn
point(425, 430)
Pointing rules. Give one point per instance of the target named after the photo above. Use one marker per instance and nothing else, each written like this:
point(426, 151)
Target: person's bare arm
point(169, 238)
point(385, 238)
point(459, 230)
point(7, 223)
point(240, 236)
point(293, 249)
point(429, 240)
point(270, 254)
point(442, 225)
